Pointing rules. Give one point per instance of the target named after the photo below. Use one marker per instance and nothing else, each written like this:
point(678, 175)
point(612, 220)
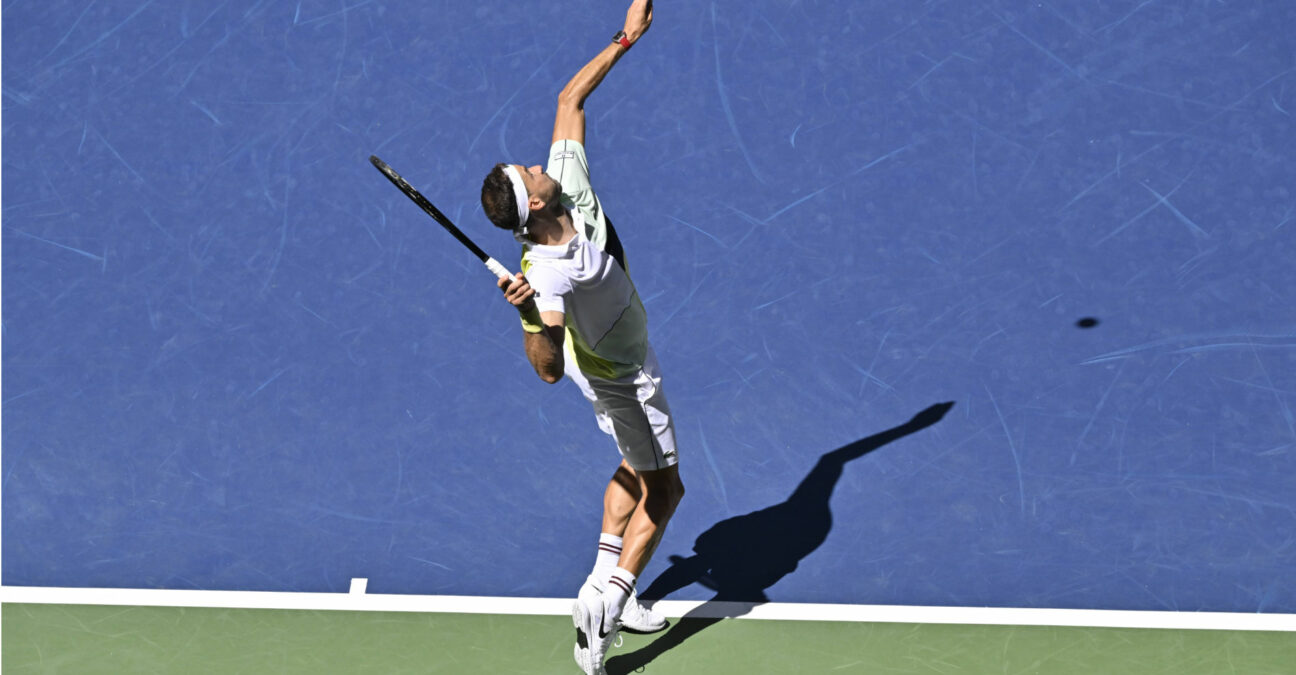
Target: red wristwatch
point(621, 39)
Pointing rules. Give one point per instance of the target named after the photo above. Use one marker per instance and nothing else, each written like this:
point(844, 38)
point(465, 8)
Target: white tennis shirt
point(607, 328)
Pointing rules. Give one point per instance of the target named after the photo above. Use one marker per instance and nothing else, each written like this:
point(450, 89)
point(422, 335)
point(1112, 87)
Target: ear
point(536, 204)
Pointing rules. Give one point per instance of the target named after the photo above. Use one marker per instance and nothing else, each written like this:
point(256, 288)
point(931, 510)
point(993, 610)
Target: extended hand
point(638, 19)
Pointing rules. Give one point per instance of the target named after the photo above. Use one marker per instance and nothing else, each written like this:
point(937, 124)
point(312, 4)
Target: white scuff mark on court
point(343, 12)
point(55, 243)
point(715, 470)
point(1053, 57)
point(432, 563)
point(1165, 201)
point(694, 227)
point(1021, 484)
point(267, 383)
point(1282, 404)
point(706, 277)
point(206, 111)
point(1229, 341)
point(1122, 20)
point(283, 239)
point(1286, 217)
point(104, 36)
point(724, 102)
point(358, 586)
point(509, 100)
point(1098, 408)
point(769, 611)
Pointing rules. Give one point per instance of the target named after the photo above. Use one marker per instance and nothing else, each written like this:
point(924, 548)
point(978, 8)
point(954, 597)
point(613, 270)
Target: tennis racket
point(491, 264)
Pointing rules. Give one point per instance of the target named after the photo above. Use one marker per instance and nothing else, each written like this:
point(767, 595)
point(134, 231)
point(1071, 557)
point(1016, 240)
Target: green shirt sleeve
point(569, 166)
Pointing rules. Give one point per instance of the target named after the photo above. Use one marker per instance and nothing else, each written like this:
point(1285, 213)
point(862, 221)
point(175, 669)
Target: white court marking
point(358, 600)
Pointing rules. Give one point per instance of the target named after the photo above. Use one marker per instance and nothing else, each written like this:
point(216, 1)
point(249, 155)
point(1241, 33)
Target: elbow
point(568, 99)
point(551, 372)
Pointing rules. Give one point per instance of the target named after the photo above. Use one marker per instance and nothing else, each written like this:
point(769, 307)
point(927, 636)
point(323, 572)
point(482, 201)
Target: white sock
point(620, 586)
point(609, 554)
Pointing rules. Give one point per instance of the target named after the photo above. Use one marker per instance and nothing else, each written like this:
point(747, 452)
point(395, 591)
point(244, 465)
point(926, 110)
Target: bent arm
point(543, 332)
point(569, 124)
point(545, 349)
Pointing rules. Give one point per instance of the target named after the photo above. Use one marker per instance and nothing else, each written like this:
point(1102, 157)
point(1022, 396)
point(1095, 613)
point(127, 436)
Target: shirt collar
point(559, 250)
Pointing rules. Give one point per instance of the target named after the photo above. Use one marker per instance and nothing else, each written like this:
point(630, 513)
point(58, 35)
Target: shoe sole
point(581, 651)
point(644, 631)
point(582, 640)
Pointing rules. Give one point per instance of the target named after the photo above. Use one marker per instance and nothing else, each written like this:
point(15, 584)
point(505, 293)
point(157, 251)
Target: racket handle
point(497, 269)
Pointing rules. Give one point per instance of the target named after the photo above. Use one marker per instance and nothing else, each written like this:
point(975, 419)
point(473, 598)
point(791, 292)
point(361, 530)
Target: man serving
point(582, 317)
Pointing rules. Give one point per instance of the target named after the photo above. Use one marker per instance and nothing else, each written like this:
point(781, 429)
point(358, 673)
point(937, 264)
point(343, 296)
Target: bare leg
point(619, 501)
point(661, 492)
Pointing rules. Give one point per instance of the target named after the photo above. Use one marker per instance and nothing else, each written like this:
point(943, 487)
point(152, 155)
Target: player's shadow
point(739, 558)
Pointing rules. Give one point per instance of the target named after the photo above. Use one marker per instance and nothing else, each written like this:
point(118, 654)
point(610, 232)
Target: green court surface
point(39, 638)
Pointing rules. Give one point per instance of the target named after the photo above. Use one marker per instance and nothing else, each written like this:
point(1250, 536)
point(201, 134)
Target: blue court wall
point(235, 357)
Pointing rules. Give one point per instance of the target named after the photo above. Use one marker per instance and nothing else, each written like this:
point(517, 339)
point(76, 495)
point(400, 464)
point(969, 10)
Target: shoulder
point(568, 165)
point(545, 274)
point(566, 148)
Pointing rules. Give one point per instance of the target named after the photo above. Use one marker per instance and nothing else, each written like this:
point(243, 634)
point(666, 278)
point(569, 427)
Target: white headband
point(520, 194)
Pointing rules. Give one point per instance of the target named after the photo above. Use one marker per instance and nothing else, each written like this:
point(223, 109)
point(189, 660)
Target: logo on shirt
point(569, 154)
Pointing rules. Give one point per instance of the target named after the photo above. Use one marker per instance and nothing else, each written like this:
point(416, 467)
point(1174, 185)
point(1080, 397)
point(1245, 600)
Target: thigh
point(639, 419)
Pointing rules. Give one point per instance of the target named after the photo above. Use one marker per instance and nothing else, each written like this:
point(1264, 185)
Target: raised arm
point(569, 124)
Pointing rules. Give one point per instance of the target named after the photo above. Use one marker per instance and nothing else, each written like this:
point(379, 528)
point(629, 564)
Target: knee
point(667, 494)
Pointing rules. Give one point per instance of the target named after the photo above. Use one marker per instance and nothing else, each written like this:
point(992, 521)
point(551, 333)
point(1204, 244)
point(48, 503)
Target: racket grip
point(497, 269)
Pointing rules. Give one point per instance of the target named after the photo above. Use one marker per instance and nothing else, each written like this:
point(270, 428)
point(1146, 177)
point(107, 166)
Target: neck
point(549, 230)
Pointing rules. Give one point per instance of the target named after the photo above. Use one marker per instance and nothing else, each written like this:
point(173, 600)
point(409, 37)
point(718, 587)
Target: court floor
point(958, 304)
point(108, 639)
point(153, 631)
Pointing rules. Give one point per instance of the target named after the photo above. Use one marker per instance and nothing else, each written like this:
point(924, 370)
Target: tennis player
point(582, 317)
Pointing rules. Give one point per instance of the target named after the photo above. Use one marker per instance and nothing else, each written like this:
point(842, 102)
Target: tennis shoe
point(635, 618)
point(591, 590)
point(590, 595)
point(593, 636)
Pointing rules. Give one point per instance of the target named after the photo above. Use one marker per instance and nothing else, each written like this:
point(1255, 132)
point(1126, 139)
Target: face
point(539, 185)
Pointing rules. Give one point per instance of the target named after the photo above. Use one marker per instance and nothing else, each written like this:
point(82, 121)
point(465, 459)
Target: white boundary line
point(358, 600)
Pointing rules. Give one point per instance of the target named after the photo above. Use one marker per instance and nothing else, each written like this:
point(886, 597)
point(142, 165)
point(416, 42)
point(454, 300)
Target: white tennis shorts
point(634, 412)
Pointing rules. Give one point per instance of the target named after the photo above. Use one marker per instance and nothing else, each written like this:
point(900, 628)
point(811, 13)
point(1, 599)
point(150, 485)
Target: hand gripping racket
point(491, 264)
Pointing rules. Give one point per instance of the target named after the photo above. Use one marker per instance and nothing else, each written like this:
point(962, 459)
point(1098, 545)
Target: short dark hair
point(497, 199)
